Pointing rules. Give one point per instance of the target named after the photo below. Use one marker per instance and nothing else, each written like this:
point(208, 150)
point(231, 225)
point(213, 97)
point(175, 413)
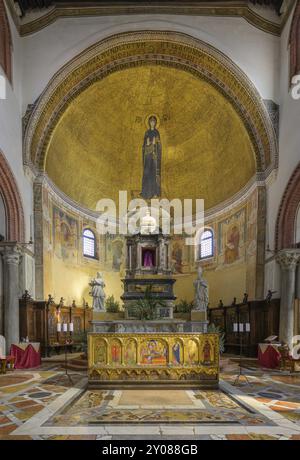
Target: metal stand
point(66, 374)
point(240, 374)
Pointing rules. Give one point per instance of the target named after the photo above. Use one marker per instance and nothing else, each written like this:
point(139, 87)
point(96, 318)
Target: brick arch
point(5, 43)
point(285, 225)
point(13, 203)
point(295, 43)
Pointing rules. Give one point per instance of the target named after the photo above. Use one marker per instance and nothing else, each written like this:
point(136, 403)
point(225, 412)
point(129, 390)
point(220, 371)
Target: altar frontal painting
point(158, 358)
point(154, 352)
point(115, 352)
point(130, 352)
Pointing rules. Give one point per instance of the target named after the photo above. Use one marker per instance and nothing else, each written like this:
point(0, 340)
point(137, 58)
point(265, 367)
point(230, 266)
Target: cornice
point(60, 198)
point(237, 9)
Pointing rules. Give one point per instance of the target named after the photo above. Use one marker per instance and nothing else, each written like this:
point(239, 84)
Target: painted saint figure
point(97, 284)
point(176, 353)
point(151, 161)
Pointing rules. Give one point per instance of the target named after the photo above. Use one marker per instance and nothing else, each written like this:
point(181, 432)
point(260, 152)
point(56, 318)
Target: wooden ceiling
point(29, 5)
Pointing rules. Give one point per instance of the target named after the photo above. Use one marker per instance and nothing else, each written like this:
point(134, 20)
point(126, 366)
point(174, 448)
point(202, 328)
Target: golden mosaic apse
point(96, 147)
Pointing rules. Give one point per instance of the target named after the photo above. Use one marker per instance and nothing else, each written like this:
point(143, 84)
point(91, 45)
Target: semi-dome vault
point(88, 127)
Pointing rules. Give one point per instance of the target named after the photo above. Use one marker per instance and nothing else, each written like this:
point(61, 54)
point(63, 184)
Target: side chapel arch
point(285, 224)
point(13, 203)
point(5, 43)
point(295, 43)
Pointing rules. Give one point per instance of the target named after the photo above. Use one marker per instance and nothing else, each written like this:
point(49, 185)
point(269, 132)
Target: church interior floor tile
point(153, 397)
point(269, 408)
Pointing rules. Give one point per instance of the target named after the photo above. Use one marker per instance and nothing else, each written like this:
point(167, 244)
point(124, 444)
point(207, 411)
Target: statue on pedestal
point(201, 292)
point(97, 284)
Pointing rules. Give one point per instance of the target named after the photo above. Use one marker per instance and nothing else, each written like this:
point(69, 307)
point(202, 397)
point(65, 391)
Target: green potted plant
point(183, 306)
point(146, 308)
point(213, 329)
point(112, 305)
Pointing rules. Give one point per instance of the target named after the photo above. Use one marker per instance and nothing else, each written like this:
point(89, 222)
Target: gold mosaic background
point(96, 148)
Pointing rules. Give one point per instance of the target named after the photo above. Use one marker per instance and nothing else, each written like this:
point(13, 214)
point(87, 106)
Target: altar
point(145, 344)
point(173, 359)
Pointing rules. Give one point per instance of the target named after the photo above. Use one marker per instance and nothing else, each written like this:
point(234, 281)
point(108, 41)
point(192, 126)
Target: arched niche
point(12, 203)
point(288, 213)
point(133, 49)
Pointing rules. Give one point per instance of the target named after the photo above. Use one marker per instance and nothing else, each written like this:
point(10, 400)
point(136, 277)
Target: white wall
point(11, 126)
point(45, 52)
point(289, 150)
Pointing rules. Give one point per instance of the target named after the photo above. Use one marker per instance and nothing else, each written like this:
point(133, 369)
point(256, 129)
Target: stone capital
point(11, 253)
point(288, 258)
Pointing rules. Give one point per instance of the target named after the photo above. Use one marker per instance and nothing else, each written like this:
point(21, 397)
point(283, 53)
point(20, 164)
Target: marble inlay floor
point(39, 404)
point(101, 407)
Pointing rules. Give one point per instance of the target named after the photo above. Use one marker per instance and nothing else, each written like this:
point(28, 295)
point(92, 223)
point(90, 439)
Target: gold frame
point(200, 372)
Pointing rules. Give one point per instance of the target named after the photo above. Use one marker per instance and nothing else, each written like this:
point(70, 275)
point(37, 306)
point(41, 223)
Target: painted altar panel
point(175, 357)
point(154, 352)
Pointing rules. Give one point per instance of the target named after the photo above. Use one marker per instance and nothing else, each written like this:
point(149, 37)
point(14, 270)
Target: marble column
point(288, 260)
point(11, 255)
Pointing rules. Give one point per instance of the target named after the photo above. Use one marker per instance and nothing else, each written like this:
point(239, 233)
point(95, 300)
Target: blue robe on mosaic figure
point(151, 161)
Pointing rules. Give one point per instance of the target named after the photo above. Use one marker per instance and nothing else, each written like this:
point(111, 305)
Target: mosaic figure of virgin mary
point(151, 161)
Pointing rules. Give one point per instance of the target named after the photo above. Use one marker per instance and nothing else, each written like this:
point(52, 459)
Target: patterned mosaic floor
point(39, 404)
point(138, 406)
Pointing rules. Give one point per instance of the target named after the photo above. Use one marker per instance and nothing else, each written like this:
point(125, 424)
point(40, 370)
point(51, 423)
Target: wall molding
point(230, 9)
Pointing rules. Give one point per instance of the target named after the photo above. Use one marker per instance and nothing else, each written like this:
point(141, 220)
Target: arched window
point(89, 243)
point(5, 43)
point(206, 244)
point(295, 43)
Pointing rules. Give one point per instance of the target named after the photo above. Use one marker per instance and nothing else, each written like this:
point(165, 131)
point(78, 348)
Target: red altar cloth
point(268, 356)
point(25, 358)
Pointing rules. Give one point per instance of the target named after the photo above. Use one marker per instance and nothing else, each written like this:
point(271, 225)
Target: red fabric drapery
point(25, 359)
point(270, 358)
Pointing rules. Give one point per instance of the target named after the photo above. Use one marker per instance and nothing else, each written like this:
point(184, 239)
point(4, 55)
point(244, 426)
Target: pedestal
point(197, 315)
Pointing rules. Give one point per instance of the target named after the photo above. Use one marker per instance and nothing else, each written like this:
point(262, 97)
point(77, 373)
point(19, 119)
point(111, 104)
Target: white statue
point(201, 292)
point(97, 292)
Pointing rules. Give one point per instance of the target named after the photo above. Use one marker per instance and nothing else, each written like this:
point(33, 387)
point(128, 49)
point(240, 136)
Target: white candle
point(235, 327)
point(65, 327)
point(247, 327)
point(58, 327)
point(241, 327)
point(71, 327)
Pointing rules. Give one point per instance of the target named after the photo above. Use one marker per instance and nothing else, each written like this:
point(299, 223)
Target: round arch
point(165, 48)
point(285, 224)
point(12, 201)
